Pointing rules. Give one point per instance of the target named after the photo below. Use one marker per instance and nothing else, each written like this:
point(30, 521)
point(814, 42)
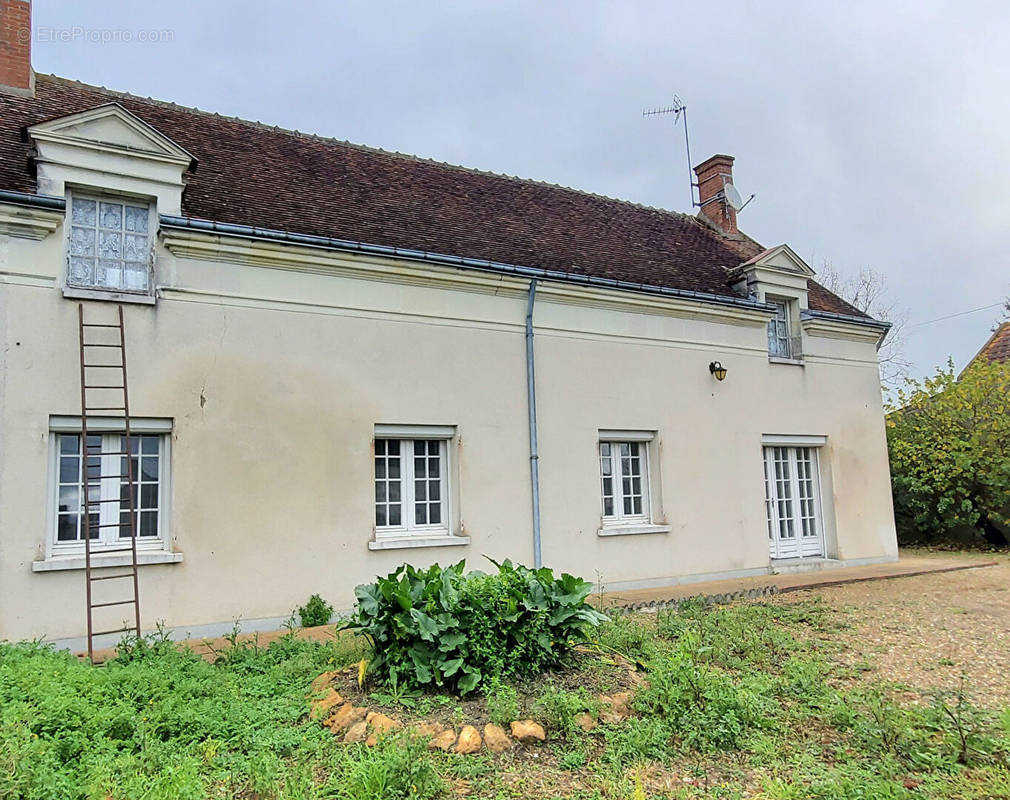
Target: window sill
point(631, 530)
point(796, 362)
point(80, 293)
point(406, 542)
point(58, 563)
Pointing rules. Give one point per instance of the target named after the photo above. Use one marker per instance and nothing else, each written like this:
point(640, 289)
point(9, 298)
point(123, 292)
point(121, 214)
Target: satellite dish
point(732, 197)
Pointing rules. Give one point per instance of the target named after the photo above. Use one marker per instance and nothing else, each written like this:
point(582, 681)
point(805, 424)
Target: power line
point(958, 314)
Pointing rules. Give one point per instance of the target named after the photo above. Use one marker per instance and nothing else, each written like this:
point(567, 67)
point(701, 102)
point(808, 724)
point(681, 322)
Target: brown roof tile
point(998, 346)
point(253, 174)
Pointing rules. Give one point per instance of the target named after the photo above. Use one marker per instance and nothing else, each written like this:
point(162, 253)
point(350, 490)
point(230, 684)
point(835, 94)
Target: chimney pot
point(16, 76)
point(713, 174)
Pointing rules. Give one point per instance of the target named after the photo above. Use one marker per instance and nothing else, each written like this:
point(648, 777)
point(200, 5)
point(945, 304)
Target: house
point(997, 348)
point(342, 358)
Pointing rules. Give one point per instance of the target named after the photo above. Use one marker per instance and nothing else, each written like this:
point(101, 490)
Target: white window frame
point(109, 538)
point(802, 544)
point(613, 440)
point(72, 288)
point(782, 318)
point(409, 533)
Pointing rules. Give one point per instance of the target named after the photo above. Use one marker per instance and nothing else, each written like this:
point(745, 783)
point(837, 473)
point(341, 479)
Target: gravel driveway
point(928, 631)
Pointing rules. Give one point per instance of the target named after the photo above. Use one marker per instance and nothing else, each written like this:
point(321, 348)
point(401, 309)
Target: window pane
point(420, 490)
point(148, 523)
point(380, 516)
point(420, 513)
point(380, 491)
point(66, 528)
point(111, 216)
point(394, 514)
point(82, 270)
point(70, 469)
point(84, 211)
point(82, 241)
point(435, 513)
point(136, 219)
point(380, 468)
point(394, 491)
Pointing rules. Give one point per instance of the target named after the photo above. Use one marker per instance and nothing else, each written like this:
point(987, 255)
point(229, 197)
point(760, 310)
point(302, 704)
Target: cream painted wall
point(275, 378)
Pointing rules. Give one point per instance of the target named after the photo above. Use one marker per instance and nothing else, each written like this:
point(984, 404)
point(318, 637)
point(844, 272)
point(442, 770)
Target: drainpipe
point(531, 396)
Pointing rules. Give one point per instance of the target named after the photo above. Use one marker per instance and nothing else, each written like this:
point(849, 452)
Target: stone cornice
point(26, 222)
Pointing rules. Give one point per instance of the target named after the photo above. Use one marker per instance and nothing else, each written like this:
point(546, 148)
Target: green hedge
point(443, 627)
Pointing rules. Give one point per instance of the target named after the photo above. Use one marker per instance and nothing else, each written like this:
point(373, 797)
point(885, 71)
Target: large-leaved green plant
point(447, 628)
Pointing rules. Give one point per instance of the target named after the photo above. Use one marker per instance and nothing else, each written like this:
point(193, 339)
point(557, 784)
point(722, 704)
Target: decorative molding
point(384, 431)
point(869, 332)
point(25, 222)
point(631, 530)
point(132, 136)
point(794, 440)
point(144, 558)
point(203, 246)
point(410, 542)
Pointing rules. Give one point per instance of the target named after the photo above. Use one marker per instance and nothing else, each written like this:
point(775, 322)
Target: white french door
point(793, 502)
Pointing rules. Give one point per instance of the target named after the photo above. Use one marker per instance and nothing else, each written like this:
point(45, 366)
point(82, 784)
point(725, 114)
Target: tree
point(868, 292)
point(949, 443)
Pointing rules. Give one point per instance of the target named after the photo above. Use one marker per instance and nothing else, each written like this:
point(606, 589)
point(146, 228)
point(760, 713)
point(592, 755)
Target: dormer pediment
point(782, 258)
point(111, 127)
point(107, 148)
point(774, 273)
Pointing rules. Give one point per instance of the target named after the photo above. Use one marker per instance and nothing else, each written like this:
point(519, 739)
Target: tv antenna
point(730, 196)
point(678, 109)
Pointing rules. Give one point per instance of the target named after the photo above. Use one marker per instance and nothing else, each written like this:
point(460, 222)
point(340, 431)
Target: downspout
point(531, 397)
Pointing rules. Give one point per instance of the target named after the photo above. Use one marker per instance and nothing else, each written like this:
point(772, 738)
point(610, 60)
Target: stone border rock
point(706, 600)
point(353, 724)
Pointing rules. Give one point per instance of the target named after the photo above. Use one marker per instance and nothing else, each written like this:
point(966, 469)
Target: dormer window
point(779, 331)
point(109, 245)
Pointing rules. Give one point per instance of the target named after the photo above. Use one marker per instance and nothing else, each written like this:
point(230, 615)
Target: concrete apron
point(787, 581)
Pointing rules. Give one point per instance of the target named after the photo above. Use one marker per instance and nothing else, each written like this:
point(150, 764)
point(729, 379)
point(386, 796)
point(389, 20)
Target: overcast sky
point(873, 133)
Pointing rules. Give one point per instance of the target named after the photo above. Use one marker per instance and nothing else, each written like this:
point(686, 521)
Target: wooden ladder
point(99, 412)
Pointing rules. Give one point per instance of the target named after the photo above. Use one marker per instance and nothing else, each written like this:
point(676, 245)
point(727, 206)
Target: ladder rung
point(104, 408)
point(104, 366)
point(124, 453)
point(104, 387)
point(93, 479)
point(100, 344)
point(109, 577)
point(99, 502)
point(97, 325)
point(115, 603)
point(117, 630)
point(111, 525)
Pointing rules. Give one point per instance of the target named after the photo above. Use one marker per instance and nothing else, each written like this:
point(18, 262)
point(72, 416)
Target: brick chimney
point(713, 174)
point(16, 76)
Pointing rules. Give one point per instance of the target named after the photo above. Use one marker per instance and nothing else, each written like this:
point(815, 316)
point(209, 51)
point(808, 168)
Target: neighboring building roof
point(253, 174)
point(998, 346)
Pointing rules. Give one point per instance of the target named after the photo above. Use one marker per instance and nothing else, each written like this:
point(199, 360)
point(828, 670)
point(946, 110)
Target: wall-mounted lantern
point(718, 370)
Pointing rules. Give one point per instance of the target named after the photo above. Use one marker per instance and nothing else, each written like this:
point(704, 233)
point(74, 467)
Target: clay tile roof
point(998, 346)
point(253, 174)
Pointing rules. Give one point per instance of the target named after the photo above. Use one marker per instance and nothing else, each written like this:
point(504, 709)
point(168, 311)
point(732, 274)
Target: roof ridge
point(368, 148)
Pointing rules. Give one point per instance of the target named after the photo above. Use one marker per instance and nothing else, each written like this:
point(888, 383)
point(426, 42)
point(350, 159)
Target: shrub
point(441, 627)
point(315, 612)
point(502, 702)
point(558, 707)
point(948, 438)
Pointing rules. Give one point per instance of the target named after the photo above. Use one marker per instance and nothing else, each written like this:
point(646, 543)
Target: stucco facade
point(274, 363)
point(328, 351)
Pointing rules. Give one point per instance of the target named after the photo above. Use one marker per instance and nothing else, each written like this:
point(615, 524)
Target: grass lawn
point(749, 700)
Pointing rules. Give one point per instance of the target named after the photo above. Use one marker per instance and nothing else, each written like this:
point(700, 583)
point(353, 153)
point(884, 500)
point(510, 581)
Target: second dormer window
point(109, 244)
